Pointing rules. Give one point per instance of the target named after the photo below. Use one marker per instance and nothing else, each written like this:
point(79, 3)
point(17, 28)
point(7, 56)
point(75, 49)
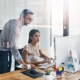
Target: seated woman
point(32, 53)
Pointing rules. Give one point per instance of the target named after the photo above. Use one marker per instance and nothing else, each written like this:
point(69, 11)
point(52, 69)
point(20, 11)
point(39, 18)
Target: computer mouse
point(33, 71)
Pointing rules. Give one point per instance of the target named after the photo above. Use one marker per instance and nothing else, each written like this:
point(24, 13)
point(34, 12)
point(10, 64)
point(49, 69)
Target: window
point(57, 17)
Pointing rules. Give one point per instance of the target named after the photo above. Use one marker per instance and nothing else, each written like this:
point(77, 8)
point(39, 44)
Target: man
point(9, 37)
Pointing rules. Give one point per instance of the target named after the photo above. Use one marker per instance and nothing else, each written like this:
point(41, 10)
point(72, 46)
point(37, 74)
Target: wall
point(74, 17)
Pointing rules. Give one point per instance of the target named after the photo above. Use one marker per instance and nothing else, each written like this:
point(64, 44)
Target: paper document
point(21, 66)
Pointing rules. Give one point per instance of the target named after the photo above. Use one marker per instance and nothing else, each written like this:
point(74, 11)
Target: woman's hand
point(50, 59)
point(44, 61)
point(33, 66)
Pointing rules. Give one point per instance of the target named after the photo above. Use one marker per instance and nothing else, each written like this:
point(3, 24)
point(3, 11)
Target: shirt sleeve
point(26, 47)
point(13, 37)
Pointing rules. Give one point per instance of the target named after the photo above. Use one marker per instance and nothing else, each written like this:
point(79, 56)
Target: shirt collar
point(19, 23)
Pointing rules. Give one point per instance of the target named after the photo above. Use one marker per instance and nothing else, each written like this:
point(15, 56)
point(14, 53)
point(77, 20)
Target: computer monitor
point(63, 45)
point(79, 47)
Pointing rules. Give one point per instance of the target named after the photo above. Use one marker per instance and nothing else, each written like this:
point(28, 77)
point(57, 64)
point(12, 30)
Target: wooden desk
point(75, 77)
point(16, 75)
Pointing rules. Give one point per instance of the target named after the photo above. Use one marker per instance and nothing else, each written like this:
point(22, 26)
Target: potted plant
point(47, 75)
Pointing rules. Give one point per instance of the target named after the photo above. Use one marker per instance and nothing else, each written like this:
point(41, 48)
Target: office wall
point(57, 17)
point(11, 9)
point(74, 17)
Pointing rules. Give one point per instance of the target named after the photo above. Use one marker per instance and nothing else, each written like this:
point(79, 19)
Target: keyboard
point(46, 65)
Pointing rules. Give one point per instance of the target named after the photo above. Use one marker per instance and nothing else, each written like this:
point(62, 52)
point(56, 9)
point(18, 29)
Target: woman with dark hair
point(32, 53)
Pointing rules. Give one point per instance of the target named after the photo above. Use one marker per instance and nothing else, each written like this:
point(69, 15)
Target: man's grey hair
point(25, 12)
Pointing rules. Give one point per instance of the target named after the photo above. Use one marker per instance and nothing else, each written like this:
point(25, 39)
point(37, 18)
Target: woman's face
point(36, 37)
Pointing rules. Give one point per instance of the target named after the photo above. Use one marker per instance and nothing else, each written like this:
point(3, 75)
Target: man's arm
point(13, 37)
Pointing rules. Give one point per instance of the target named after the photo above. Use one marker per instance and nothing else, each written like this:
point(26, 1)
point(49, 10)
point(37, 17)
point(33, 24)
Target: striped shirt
point(9, 37)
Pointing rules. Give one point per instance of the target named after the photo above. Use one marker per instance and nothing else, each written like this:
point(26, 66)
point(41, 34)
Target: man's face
point(28, 19)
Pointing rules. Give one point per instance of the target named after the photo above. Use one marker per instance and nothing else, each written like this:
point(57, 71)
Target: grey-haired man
point(9, 37)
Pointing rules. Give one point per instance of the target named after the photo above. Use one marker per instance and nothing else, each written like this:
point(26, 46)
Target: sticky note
point(60, 69)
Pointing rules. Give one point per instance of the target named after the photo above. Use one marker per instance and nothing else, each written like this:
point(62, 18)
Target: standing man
point(8, 40)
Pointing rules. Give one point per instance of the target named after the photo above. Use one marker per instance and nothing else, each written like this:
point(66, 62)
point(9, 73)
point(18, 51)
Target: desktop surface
point(17, 75)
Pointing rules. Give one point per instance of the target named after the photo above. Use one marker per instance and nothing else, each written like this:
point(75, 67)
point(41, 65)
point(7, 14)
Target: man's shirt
point(9, 37)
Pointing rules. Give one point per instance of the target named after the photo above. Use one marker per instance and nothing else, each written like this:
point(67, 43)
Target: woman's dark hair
point(25, 12)
point(31, 33)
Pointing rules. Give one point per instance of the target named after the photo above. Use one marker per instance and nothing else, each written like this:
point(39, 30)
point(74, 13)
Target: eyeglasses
point(30, 19)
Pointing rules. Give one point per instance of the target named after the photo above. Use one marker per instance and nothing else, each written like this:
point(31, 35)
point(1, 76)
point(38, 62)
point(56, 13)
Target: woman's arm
point(25, 58)
point(41, 62)
point(42, 55)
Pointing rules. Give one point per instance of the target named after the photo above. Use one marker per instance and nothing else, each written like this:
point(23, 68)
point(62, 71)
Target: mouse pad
point(39, 74)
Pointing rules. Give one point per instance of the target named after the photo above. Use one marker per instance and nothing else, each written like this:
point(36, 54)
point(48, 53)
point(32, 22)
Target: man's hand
point(28, 66)
point(25, 66)
point(33, 66)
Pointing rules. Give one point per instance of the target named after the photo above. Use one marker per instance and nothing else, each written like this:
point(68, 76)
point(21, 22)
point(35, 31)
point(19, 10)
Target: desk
point(75, 77)
point(16, 75)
